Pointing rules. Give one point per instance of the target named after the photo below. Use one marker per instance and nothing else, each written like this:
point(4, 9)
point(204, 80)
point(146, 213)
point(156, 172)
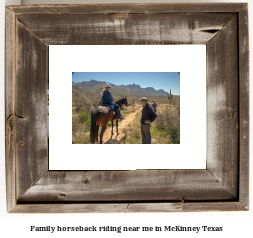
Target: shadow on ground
point(115, 141)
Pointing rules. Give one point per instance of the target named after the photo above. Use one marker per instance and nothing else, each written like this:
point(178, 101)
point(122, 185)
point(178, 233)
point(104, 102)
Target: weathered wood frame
point(222, 186)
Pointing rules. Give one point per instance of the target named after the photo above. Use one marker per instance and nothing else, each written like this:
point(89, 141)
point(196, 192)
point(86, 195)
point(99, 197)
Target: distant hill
point(131, 90)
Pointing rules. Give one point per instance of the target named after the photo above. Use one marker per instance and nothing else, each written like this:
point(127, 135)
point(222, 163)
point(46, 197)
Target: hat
point(153, 100)
point(107, 85)
point(144, 99)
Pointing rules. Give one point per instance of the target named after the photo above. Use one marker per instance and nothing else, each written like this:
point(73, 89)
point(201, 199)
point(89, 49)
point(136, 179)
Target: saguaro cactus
point(170, 96)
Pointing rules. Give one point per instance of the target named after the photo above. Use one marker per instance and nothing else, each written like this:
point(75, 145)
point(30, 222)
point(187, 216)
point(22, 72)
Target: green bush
point(82, 117)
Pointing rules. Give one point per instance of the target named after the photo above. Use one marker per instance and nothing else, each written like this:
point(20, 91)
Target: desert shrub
point(164, 130)
point(81, 122)
point(80, 131)
point(81, 138)
point(132, 132)
point(168, 122)
point(83, 116)
point(75, 124)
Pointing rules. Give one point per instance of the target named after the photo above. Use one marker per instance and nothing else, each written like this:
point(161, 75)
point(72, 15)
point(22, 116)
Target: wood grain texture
point(139, 185)
point(222, 107)
point(186, 207)
point(9, 109)
point(30, 108)
point(244, 106)
point(129, 8)
point(120, 29)
point(129, 207)
point(223, 186)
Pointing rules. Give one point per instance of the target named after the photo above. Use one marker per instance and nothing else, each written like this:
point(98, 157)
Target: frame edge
point(244, 105)
point(10, 60)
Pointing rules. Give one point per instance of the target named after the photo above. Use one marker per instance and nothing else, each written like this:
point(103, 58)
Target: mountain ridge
point(131, 89)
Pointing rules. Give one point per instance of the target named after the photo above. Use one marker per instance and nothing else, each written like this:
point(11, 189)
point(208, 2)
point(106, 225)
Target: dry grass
point(130, 109)
point(164, 130)
point(133, 132)
point(80, 131)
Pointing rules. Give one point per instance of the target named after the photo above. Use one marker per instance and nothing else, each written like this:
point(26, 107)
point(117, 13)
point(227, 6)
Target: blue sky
point(157, 80)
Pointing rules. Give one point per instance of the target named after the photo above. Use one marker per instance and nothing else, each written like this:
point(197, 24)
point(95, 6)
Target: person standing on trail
point(147, 117)
point(107, 100)
point(154, 105)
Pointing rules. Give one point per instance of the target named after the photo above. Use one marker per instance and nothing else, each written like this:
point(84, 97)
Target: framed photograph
point(60, 60)
point(160, 73)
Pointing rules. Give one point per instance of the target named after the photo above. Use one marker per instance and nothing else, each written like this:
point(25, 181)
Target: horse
point(102, 115)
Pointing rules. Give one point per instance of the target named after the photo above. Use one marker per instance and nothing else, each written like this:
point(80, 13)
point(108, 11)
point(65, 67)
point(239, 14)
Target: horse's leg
point(102, 133)
point(97, 128)
point(117, 126)
point(112, 129)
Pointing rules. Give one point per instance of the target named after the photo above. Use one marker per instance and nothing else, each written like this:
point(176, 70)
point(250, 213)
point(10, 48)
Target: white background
point(236, 224)
point(190, 61)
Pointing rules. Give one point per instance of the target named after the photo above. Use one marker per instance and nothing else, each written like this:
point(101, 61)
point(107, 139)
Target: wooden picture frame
point(222, 186)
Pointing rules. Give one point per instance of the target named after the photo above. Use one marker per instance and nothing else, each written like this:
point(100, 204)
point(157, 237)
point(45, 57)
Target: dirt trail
point(115, 139)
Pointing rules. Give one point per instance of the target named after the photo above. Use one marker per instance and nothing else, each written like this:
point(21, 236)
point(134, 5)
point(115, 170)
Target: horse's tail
point(93, 134)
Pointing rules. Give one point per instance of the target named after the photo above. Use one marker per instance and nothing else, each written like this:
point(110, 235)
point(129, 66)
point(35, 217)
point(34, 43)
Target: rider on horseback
point(107, 99)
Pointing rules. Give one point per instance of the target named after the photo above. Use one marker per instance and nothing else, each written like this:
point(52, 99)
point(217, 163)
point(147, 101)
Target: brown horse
point(101, 116)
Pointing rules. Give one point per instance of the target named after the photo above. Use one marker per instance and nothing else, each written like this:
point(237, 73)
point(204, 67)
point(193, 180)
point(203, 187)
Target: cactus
point(170, 96)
